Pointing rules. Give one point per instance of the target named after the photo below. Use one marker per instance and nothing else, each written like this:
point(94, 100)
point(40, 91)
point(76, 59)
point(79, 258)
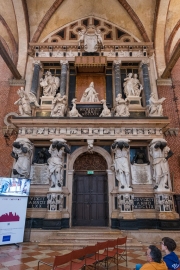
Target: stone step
point(72, 246)
point(84, 241)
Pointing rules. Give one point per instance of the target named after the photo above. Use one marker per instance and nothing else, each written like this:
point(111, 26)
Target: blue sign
point(6, 238)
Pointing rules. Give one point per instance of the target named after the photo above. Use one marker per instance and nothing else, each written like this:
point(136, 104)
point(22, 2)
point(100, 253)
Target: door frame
point(100, 173)
point(70, 175)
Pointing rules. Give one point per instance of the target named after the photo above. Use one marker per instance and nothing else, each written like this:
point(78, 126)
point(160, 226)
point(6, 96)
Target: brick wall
point(171, 108)
point(8, 96)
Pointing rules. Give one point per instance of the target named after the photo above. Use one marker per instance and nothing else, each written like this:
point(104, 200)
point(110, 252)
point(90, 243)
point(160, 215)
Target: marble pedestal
point(46, 102)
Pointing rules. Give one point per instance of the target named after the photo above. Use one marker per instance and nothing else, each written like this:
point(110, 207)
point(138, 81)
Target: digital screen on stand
point(14, 186)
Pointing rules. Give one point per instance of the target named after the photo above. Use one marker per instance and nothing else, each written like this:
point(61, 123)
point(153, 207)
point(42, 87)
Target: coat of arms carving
point(91, 38)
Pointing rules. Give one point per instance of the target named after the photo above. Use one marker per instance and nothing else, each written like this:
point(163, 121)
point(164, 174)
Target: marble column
point(146, 80)
point(35, 79)
point(64, 68)
point(117, 73)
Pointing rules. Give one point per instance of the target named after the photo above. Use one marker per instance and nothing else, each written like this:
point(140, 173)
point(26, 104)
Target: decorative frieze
point(138, 132)
point(164, 202)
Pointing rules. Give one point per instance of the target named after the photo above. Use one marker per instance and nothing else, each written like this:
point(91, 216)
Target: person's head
point(153, 254)
point(168, 243)
point(91, 84)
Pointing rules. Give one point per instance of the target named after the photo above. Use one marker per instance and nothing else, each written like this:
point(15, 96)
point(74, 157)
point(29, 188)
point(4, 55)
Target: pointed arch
point(45, 19)
point(170, 40)
point(135, 19)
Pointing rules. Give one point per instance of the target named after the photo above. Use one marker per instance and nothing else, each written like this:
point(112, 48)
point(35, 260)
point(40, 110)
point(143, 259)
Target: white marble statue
point(59, 106)
point(120, 149)
point(105, 112)
point(137, 86)
point(128, 86)
point(22, 152)
point(122, 106)
point(160, 154)
point(99, 36)
point(74, 112)
point(24, 102)
point(81, 37)
point(155, 106)
point(132, 86)
point(90, 94)
point(56, 162)
point(90, 146)
point(50, 84)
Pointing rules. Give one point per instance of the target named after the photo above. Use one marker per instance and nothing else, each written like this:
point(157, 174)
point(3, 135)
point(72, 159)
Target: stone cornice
point(115, 122)
point(14, 82)
point(164, 82)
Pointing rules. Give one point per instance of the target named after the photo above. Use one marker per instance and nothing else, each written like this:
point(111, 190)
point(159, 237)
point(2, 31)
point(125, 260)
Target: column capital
point(117, 62)
point(145, 62)
point(37, 62)
point(64, 62)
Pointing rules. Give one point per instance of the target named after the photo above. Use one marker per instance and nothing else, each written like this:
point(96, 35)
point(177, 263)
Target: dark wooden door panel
point(90, 200)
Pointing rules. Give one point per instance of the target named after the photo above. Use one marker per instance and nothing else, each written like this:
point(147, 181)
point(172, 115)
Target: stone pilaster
point(117, 77)
point(64, 68)
point(146, 80)
point(35, 79)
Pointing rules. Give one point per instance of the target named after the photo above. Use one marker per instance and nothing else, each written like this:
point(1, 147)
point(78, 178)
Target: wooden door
point(90, 200)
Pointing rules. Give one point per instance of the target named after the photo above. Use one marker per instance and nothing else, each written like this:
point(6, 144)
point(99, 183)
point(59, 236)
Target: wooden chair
point(58, 261)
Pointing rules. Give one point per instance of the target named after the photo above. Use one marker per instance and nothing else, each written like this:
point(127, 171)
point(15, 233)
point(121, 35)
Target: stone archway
point(106, 159)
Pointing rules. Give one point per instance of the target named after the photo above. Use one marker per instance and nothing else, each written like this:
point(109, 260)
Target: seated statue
point(90, 94)
point(122, 106)
point(50, 84)
point(24, 102)
point(132, 86)
point(155, 106)
point(59, 105)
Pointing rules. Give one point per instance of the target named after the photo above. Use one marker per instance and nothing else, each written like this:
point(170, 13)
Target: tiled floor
point(27, 255)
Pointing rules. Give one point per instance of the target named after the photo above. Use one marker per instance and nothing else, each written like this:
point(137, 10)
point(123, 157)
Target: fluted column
point(35, 79)
point(146, 80)
point(64, 68)
point(117, 77)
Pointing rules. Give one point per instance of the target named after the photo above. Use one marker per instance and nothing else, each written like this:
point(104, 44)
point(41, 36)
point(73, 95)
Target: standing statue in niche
point(59, 106)
point(24, 102)
point(137, 86)
point(56, 162)
point(160, 154)
point(128, 86)
point(122, 106)
point(120, 149)
point(50, 84)
point(81, 36)
point(90, 94)
point(22, 152)
point(99, 36)
point(132, 86)
point(155, 106)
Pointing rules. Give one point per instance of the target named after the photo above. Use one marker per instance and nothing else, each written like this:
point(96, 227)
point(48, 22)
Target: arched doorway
point(90, 191)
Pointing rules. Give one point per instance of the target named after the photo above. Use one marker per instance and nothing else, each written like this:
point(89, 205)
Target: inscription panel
point(37, 202)
point(144, 203)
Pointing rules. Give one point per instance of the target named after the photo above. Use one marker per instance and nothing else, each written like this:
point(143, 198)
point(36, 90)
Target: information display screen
point(14, 186)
